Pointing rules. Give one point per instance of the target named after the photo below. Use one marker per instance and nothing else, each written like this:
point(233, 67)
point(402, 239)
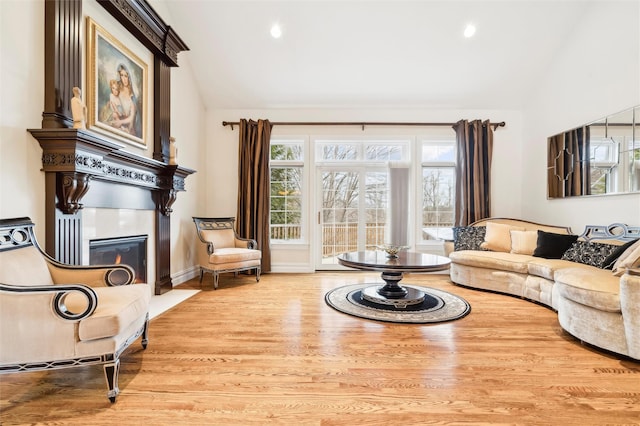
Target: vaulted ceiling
point(371, 54)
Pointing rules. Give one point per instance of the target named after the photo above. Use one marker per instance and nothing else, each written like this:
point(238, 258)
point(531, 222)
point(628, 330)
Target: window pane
point(438, 198)
point(376, 204)
point(339, 152)
point(438, 151)
point(286, 203)
point(384, 152)
point(286, 151)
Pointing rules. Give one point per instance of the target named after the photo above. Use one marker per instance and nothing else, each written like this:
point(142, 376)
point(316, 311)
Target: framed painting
point(116, 88)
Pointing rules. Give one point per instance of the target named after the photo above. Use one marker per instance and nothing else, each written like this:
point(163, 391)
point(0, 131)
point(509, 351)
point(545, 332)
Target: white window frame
point(303, 141)
point(419, 196)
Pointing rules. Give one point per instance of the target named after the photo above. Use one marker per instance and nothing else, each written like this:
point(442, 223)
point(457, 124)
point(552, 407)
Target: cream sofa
point(55, 316)
point(598, 306)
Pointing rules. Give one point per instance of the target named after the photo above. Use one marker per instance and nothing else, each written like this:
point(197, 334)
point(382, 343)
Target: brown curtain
point(474, 144)
point(253, 185)
point(569, 171)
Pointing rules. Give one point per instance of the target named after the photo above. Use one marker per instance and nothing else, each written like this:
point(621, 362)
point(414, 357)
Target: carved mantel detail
point(80, 156)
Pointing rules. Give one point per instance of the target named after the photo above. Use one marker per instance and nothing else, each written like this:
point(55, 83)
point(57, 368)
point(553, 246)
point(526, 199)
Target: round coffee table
point(393, 269)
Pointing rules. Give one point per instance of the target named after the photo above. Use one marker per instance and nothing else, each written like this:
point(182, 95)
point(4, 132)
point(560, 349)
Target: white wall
point(21, 106)
point(222, 155)
point(596, 73)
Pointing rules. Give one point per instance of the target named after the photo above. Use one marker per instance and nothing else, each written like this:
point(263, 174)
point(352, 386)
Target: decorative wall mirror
point(602, 157)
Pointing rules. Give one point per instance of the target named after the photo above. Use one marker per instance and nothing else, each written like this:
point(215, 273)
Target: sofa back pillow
point(498, 237)
point(611, 259)
point(589, 253)
point(523, 242)
point(629, 259)
point(552, 246)
point(468, 237)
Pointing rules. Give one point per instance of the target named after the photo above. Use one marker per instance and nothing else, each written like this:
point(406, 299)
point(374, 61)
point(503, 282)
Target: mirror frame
point(572, 165)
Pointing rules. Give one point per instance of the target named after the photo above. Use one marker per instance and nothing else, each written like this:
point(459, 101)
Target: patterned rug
point(438, 305)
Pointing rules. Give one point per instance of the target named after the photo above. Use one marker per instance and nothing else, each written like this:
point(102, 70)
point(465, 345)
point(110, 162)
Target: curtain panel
point(474, 147)
point(253, 185)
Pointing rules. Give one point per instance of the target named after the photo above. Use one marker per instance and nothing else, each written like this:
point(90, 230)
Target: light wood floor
point(274, 353)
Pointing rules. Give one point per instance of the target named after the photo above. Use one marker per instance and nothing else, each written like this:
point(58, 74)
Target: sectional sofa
point(591, 280)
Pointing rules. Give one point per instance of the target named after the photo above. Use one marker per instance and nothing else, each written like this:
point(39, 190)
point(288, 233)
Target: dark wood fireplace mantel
point(81, 156)
point(84, 168)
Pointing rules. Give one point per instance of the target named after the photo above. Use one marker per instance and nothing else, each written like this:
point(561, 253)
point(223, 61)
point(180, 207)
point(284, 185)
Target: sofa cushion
point(589, 253)
point(498, 237)
point(468, 237)
point(523, 242)
point(117, 308)
point(546, 268)
point(590, 286)
point(551, 245)
point(492, 260)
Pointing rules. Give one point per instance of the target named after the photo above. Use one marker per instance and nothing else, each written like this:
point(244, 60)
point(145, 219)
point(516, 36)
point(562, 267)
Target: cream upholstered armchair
point(222, 250)
point(54, 315)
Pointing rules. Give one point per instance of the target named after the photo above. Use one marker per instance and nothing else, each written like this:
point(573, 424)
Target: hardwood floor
point(274, 353)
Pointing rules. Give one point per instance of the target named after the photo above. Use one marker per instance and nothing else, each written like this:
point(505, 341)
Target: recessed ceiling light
point(470, 30)
point(276, 31)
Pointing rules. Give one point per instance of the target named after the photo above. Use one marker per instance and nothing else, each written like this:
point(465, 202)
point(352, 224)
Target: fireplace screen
point(130, 251)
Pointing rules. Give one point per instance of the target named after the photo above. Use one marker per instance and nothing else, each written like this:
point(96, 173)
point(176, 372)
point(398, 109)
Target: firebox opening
point(130, 251)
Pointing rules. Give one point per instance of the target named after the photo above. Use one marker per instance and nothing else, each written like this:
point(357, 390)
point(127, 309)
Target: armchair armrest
point(60, 294)
point(246, 243)
point(93, 276)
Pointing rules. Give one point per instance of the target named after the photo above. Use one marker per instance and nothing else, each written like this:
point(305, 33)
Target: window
point(438, 188)
point(361, 150)
point(287, 178)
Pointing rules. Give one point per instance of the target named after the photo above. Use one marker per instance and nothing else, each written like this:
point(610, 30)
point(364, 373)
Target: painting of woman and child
point(120, 82)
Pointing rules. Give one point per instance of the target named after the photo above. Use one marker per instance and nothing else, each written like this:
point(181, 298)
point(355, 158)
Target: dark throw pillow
point(468, 237)
point(589, 253)
point(553, 246)
point(611, 259)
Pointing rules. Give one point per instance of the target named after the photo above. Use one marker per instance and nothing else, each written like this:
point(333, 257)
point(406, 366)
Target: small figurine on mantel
point(78, 109)
point(173, 151)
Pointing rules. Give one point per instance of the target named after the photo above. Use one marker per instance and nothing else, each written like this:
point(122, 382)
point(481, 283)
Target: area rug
point(438, 306)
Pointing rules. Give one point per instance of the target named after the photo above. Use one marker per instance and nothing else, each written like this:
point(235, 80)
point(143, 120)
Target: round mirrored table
point(393, 269)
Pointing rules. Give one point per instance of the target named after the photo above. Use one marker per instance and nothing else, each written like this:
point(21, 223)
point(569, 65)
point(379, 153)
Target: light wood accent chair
point(220, 249)
point(55, 316)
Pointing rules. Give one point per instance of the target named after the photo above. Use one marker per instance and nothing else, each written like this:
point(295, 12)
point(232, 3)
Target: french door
point(351, 211)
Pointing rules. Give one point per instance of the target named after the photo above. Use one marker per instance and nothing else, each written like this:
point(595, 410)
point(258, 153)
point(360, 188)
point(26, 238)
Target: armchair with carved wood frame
point(54, 315)
point(220, 249)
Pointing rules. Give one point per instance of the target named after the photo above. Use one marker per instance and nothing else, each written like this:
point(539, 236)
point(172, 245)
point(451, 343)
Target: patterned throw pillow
point(468, 237)
point(589, 253)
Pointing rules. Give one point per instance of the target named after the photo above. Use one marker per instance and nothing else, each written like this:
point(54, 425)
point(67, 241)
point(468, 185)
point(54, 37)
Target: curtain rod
point(353, 123)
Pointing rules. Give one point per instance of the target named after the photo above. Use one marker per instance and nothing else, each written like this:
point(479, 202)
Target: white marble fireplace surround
point(113, 223)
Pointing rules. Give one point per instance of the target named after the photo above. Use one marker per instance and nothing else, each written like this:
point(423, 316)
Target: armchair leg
point(216, 275)
point(111, 371)
point(201, 274)
point(257, 274)
point(145, 336)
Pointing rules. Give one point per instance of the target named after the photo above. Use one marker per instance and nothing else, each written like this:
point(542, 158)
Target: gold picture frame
point(116, 88)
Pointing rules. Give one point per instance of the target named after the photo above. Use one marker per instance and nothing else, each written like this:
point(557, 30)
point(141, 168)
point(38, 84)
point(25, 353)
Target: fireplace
point(130, 251)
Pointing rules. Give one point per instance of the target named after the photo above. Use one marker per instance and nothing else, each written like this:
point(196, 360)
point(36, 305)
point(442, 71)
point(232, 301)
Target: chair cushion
point(234, 255)
point(24, 266)
point(117, 308)
point(219, 237)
